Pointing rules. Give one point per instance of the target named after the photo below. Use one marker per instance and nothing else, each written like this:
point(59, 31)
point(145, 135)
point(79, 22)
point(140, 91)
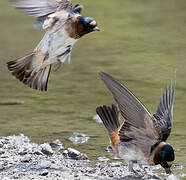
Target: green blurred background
point(141, 43)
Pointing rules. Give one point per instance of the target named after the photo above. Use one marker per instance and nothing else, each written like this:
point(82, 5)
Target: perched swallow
point(142, 137)
point(64, 24)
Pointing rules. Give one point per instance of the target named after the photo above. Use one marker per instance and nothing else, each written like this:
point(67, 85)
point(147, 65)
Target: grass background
point(141, 43)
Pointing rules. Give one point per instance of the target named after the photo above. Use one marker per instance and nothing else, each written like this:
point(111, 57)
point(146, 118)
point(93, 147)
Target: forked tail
point(109, 116)
point(24, 70)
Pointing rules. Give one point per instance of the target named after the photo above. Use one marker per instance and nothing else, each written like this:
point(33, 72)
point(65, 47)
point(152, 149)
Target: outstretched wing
point(140, 127)
point(40, 8)
point(164, 113)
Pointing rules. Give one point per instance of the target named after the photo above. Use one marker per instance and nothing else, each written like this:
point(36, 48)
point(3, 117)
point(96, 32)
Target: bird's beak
point(96, 29)
point(167, 170)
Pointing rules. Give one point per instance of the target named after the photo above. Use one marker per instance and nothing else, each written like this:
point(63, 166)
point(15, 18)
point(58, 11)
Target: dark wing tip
point(104, 76)
point(164, 112)
point(101, 74)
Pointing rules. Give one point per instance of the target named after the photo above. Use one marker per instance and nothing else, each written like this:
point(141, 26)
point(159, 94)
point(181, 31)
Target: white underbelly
point(55, 43)
point(131, 154)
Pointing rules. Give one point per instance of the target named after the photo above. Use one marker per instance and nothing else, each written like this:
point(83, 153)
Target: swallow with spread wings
point(142, 137)
point(64, 24)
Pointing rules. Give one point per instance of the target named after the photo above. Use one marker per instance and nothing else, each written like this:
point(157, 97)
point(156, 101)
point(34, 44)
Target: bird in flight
point(142, 137)
point(64, 24)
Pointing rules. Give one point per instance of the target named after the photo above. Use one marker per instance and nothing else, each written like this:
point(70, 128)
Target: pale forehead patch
point(93, 23)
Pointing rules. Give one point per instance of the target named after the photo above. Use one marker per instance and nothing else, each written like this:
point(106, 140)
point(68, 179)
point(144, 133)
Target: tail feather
point(23, 70)
point(109, 116)
point(18, 66)
point(39, 80)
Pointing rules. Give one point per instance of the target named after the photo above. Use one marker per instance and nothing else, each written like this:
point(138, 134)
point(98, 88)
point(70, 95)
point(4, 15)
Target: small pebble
point(2, 151)
point(115, 164)
point(25, 158)
point(44, 164)
point(57, 145)
point(178, 166)
point(44, 172)
point(1, 144)
point(46, 149)
point(74, 154)
point(79, 138)
point(103, 159)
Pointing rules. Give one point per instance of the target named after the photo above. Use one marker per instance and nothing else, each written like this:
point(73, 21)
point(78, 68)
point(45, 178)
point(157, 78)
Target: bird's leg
point(131, 163)
point(131, 166)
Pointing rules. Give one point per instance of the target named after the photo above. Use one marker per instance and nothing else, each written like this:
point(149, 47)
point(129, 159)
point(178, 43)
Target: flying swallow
point(64, 24)
point(142, 137)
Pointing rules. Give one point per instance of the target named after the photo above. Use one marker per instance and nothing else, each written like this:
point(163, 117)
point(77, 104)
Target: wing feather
point(139, 126)
point(36, 8)
point(43, 8)
point(164, 113)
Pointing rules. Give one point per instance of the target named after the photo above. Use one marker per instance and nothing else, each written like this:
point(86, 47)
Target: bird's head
point(166, 157)
point(85, 25)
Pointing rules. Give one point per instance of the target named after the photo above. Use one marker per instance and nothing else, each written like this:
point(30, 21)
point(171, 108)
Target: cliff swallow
point(64, 24)
point(142, 137)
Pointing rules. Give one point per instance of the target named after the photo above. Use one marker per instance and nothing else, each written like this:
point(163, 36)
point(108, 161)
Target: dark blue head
point(167, 153)
point(167, 157)
point(88, 23)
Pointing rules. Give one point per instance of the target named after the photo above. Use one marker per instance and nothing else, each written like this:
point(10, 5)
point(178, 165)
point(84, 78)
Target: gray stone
point(46, 149)
point(178, 166)
point(1, 144)
point(103, 159)
point(71, 153)
point(57, 145)
point(25, 158)
point(2, 151)
point(38, 152)
point(44, 164)
point(115, 164)
point(22, 151)
point(79, 138)
point(44, 172)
